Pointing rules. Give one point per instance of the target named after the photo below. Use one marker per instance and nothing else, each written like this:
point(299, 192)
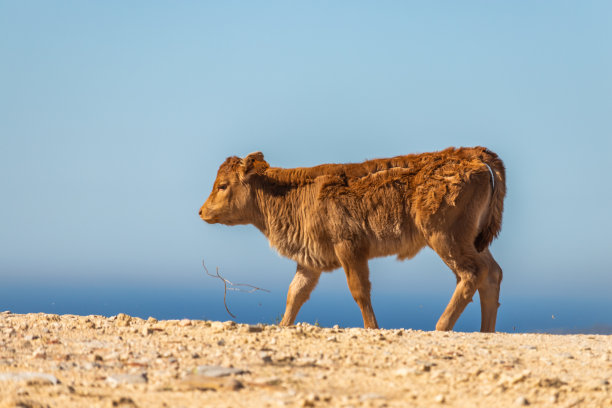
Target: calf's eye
point(222, 186)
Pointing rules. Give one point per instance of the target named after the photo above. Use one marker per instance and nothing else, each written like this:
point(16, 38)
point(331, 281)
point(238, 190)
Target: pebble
point(424, 366)
point(265, 357)
point(520, 377)
point(119, 379)
point(218, 371)
point(370, 396)
point(185, 323)
point(9, 332)
point(203, 382)
point(39, 353)
point(521, 401)
point(404, 371)
point(306, 402)
point(229, 324)
point(123, 320)
point(123, 402)
point(218, 326)
point(255, 328)
point(440, 399)
point(598, 384)
point(267, 381)
point(30, 378)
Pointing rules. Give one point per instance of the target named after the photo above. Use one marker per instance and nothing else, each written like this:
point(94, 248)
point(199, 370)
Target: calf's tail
point(493, 221)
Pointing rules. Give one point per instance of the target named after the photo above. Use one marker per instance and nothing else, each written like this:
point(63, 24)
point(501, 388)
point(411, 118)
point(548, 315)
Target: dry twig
point(232, 287)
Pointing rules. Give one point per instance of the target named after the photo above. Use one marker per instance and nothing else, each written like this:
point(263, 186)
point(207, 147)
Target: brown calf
point(336, 215)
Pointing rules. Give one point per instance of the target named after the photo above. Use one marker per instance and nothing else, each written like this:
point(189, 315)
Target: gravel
point(95, 361)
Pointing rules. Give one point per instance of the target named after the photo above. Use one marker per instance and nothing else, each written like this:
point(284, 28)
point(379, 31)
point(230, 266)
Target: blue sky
point(114, 117)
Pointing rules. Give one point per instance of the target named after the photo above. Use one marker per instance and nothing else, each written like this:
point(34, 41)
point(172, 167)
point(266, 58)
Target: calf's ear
point(253, 163)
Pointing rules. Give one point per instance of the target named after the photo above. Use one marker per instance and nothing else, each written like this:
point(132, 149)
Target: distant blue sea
point(326, 308)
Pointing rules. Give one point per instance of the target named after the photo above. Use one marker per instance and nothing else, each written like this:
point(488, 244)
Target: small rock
point(9, 332)
point(265, 357)
point(221, 342)
point(272, 381)
point(123, 402)
point(307, 403)
point(598, 384)
point(424, 366)
point(440, 399)
point(229, 325)
point(119, 379)
point(521, 401)
point(217, 326)
point(370, 396)
point(145, 331)
point(111, 356)
point(30, 378)
point(554, 398)
point(123, 320)
point(255, 328)
point(151, 320)
point(202, 382)
point(520, 377)
point(402, 372)
point(551, 382)
point(185, 323)
point(39, 353)
point(218, 371)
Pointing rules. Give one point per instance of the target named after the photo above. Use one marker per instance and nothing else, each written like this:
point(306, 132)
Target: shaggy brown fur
point(336, 215)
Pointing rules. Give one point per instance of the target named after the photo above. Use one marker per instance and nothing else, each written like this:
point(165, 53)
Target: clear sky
point(114, 117)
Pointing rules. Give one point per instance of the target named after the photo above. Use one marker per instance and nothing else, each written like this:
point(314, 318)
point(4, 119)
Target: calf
point(342, 215)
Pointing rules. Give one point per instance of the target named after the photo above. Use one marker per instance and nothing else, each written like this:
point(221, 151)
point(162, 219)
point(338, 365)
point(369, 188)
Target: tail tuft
point(493, 223)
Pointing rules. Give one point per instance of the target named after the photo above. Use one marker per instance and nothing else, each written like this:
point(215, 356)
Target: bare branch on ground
point(232, 286)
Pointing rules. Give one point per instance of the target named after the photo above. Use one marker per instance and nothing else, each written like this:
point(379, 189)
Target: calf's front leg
point(301, 286)
point(355, 266)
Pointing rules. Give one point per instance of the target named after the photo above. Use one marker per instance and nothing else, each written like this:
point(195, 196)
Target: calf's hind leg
point(489, 293)
point(469, 268)
point(301, 286)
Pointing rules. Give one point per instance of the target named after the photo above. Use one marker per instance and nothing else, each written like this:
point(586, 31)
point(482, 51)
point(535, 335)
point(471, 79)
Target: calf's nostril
point(200, 211)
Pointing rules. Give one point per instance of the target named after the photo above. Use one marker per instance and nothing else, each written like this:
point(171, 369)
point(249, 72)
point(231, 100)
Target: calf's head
point(232, 201)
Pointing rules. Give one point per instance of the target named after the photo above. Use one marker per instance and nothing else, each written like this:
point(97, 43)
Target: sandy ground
point(122, 361)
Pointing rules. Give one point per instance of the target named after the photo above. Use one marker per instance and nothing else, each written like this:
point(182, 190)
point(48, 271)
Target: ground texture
point(122, 361)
